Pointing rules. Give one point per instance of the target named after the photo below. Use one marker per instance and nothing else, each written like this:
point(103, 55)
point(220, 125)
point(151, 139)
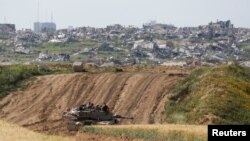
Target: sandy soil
point(40, 107)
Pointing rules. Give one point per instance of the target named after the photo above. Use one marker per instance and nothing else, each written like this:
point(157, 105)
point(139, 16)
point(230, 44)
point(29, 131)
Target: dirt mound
point(40, 107)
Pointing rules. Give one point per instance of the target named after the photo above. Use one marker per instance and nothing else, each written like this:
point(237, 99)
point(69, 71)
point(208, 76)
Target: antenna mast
point(52, 17)
point(38, 11)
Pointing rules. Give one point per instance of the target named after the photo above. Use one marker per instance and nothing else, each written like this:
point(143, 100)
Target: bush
point(118, 70)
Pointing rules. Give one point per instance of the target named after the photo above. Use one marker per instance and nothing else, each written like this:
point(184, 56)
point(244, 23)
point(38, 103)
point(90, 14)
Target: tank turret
point(88, 114)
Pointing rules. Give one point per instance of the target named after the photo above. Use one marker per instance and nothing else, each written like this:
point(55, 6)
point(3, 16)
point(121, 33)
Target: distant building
point(70, 28)
point(7, 28)
point(44, 27)
point(158, 27)
point(222, 24)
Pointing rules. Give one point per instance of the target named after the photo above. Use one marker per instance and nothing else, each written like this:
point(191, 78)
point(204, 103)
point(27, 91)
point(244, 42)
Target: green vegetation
point(21, 58)
point(66, 47)
point(11, 77)
point(118, 70)
point(145, 134)
point(52, 48)
point(80, 57)
point(218, 95)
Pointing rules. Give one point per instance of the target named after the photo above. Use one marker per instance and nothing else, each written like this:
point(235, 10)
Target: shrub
point(118, 70)
point(217, 95)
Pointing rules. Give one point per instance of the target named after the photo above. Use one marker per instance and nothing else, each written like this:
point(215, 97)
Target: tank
point(90, 115)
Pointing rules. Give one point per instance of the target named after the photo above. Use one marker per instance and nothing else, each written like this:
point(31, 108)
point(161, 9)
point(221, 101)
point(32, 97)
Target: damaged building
point(216, 42)
point(7, 28)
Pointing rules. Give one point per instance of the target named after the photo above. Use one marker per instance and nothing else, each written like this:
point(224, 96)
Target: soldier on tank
point(83, 107)
point(98, 107)
point(88, 105)
point(91, 106)
point(105, 108)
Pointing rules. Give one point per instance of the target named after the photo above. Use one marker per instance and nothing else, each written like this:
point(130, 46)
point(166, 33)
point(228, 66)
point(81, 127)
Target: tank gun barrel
point(123, 117)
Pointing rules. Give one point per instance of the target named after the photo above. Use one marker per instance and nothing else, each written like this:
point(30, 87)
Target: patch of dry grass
point(197, 129)
point(10, 132)
point(152, 132)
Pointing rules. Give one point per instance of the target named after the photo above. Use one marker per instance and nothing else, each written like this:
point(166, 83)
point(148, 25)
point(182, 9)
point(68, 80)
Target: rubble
point(105, 47)
point(45, 56)
point(216, 42)
point(172, 63)
point(245, 63)
point(22, 50)
point(110, 64)
point(7, 28)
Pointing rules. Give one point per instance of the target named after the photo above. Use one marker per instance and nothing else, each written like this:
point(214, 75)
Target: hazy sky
point(99, 13)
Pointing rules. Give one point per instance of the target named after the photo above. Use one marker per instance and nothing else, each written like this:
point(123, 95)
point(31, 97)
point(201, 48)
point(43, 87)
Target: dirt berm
point(40, 107)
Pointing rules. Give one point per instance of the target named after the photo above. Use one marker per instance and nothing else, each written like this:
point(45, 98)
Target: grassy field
point(66, 47)
point(6, 52)
point(57, 48)
point(218, 95)
point(152, 132)
point(10, 132)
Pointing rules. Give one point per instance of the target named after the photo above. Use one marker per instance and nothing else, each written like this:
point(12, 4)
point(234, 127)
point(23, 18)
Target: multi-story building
point(44, 27)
